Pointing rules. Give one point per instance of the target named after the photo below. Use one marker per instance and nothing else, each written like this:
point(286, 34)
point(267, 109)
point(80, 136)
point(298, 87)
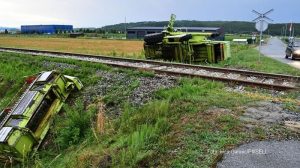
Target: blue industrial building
point(45, 29)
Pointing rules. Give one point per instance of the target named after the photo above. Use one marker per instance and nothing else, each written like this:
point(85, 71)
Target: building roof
point(47, 25)
point(183, 28)
point(145, 28)
point(199, 28)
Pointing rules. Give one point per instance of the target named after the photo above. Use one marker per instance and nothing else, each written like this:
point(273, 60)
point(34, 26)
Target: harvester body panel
point(192, 48)
point(23, 127)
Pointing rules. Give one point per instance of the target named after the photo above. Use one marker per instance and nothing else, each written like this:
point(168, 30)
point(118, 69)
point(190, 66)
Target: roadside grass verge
point(247, 57)
point(196, 133)
point(146, 136)
point(184, 126)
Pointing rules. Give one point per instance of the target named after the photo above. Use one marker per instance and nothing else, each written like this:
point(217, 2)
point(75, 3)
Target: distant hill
point(229, 26)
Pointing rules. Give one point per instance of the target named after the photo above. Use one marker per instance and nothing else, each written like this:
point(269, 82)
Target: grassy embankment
point(243, 57)
point(246, 57)
point(175, 129)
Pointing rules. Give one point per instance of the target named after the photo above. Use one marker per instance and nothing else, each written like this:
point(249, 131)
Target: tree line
point(231, 27)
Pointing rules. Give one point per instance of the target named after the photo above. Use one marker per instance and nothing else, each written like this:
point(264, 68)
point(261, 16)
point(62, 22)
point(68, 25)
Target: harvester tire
point(154, 38)
point(186, 38)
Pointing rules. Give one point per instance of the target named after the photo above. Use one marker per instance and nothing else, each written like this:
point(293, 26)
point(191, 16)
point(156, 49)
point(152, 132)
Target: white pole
point(291, 27)
point(260, 38)
point(285, 30)
point(125, 28)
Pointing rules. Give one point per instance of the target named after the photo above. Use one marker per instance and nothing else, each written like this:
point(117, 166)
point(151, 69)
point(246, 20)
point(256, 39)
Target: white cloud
point(97, 13)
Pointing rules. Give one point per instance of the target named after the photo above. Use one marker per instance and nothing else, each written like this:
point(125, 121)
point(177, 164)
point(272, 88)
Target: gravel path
point(263, 154)
point(275, 48)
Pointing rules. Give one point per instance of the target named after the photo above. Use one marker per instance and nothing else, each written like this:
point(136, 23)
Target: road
point(263, 154)
point(275, 48)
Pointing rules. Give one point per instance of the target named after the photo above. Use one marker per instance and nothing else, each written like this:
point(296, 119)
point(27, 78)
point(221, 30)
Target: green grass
point(13, 72)
point(141, 136)
point(197, 132)
point(246, 57)
point(15, 68)
point(178, 128)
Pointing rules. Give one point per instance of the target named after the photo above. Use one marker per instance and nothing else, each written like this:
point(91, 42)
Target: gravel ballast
point(122, 88)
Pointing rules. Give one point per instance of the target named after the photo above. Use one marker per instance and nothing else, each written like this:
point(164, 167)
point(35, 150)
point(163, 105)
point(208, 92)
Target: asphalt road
point(264, 154)
point(275, 48)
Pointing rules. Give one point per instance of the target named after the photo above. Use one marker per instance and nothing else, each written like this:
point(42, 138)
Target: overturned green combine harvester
point(24, 126)
point(192, 48)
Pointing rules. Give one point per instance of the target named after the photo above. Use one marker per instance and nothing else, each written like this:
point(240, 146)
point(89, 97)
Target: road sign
point(262, 16)
point(261, 25)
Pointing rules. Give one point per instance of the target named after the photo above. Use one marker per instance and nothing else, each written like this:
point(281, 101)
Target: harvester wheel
point(154, 38)
point(186, 38)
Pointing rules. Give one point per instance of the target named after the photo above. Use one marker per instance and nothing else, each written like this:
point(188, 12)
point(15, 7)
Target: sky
point(98, 13)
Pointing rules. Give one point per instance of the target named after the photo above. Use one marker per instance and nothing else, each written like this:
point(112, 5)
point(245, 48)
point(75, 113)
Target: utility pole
point(285, 30)
point(125, 26)
point(291, 29)
point(261, 25)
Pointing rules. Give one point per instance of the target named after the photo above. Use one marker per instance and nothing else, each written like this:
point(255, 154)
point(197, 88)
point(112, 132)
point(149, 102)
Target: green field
point(173, 129)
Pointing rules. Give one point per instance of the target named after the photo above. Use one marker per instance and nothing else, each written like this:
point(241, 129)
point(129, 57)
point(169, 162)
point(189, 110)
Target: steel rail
point(178, 69)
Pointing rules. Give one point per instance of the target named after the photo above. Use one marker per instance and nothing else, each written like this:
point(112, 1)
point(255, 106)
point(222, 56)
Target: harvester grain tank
point(192, 48)
point(24, 126)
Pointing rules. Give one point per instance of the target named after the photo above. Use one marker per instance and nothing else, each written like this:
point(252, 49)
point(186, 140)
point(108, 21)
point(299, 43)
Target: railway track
point(250, 78)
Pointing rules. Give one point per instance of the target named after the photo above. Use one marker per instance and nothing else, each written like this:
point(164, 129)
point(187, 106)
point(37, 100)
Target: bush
point(132, 119)
point(74, 125)
point(140, 130)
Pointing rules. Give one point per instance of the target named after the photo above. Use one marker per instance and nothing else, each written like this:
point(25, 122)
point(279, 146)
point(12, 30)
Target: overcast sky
point(97, 13)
